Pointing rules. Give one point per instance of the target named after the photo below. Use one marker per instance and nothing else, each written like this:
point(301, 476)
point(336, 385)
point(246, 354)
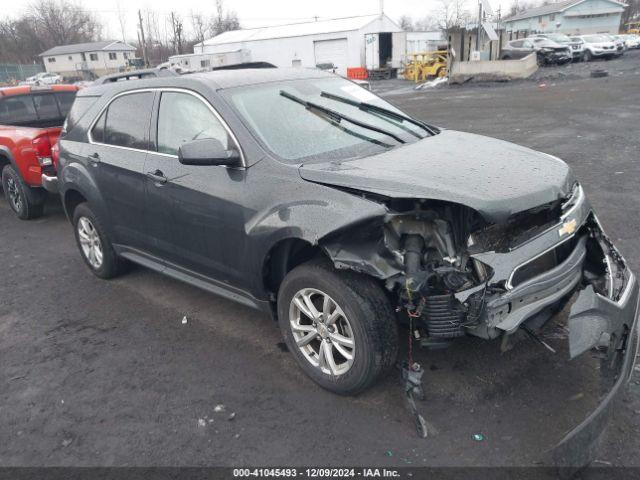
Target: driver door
point(195, 226)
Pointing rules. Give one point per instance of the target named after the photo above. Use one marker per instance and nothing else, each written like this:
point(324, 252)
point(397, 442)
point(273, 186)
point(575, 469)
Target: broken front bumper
point(597, 316)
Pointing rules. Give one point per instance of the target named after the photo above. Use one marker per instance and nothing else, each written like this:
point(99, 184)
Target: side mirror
point(207, 151)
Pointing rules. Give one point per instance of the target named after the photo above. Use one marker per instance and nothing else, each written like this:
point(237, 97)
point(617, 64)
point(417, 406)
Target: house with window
point(572, 17)
point(88, 59)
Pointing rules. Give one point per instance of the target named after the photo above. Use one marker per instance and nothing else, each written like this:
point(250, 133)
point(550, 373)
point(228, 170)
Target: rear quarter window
point(79, 107)
point(18, 110)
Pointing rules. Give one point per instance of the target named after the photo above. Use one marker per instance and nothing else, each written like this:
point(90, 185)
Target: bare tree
point(177, 27)
point(122, 20)
point(406, 23)
point(453, 14)
point(199, 27)
point(60, 22)
point(223, 21)
point(46, 23)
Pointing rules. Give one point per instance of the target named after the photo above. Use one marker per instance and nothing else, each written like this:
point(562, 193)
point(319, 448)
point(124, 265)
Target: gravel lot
point(106, 373)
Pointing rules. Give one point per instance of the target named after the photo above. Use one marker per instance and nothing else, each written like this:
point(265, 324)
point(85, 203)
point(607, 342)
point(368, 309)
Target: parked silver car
point(599, 46)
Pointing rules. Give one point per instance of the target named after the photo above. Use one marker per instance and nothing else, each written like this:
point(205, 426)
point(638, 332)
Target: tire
point(587, 57)
point(361, 313)
point(89, 233)
point(26, 202)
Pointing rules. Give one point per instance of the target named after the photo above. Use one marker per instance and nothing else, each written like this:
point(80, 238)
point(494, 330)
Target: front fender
point(308, 220)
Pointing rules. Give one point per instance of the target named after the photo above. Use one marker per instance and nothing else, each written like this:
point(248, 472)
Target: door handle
point(93, 158)
point(157, 177)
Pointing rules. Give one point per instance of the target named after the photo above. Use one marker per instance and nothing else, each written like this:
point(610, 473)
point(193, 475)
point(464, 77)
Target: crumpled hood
point(494, 177)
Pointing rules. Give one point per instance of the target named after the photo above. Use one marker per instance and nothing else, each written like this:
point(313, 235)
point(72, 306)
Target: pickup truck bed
point(31, 120)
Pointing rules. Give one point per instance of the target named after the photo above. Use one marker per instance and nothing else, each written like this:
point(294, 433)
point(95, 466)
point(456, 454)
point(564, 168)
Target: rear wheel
point(94, 244)
point(26, 202)
point(587, 57)
point(339, 326)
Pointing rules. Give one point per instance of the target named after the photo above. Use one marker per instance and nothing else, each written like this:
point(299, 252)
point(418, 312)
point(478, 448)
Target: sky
point(252, 13)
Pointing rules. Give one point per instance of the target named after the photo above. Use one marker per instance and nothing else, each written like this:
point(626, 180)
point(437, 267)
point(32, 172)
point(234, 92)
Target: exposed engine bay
point(452, 273)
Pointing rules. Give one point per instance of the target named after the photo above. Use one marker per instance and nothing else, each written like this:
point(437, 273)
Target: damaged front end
point(457, 275)
point(452, 274)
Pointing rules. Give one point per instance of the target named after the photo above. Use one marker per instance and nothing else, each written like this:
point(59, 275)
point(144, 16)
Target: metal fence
point(14, 72)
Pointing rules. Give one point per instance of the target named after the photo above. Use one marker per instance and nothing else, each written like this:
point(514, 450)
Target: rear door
point(117, 149)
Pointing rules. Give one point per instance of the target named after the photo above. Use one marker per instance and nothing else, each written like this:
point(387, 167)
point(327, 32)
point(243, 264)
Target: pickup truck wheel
point(26, 203)
point(94, 244)
point(339, 326)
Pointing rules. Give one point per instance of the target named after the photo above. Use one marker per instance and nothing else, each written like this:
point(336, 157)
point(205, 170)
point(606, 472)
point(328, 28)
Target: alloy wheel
point(322, 331)
point(90, 242)
point(14, 194)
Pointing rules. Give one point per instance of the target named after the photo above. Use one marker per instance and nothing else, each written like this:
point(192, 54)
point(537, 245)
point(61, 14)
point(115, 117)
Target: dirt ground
point(106, 373)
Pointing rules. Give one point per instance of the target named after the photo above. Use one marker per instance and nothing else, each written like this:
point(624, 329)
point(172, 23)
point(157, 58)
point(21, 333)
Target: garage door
point(332, 51)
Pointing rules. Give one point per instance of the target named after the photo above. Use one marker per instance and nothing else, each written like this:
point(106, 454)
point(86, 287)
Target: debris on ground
point(185, 320)
point(66, 442)
point(389, 453)
point(202, 422)
point(599, 73)
point(478, 437)
point(432, 83)
point(219, 408)
point(231, 416)
point(412, 375)
point(577, 396)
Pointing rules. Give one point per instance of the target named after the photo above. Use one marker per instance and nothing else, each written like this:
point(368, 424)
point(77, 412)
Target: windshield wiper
point(369, 107)
point(338, 117)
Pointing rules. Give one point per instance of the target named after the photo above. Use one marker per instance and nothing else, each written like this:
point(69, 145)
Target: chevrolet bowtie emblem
point(568, 228)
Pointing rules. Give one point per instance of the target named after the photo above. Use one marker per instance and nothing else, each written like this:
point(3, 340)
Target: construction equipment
point(422, 66)
point(633, 28)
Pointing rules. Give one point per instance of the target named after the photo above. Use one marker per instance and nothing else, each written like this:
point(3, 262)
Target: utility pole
point(479, 26)
point(145, 56)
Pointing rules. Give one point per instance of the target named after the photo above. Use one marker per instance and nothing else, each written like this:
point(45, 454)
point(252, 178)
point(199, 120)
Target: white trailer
point(202, 62)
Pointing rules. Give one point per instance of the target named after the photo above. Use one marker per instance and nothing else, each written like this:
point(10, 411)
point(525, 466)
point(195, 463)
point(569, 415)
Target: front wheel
point(587, 57)
point(339, 326)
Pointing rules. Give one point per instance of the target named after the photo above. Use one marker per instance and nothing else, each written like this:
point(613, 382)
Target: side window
point(17, 110)
point(528, 44)
point(46, 106)
point(126, 123)
point(182, 118)
point(517, 44)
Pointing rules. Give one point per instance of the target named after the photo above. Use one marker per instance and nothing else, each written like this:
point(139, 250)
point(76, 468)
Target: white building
point(99, 58)
point(418, 42)
point(371, 40)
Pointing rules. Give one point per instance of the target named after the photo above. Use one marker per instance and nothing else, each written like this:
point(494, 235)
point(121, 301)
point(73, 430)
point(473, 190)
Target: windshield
point(559, 38)
point(596, 39)
point(277, 115)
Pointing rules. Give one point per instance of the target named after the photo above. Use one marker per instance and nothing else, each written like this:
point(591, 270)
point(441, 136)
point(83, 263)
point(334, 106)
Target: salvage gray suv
point(299, 193)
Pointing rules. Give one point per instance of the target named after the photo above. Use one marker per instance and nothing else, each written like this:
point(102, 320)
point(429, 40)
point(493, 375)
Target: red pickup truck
point(31, 118)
